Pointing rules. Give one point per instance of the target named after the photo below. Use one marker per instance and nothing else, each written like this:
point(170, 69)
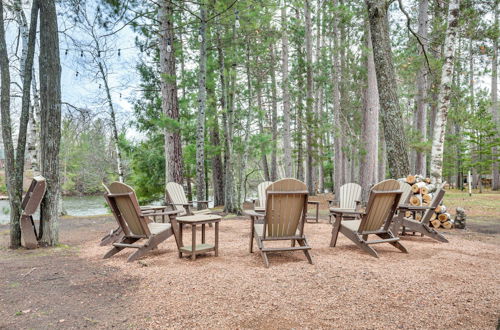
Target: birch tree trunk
point(368, 166)
point(397, 151)
point(495, 185)
point(202, 100)
point(444, 93)
point(169, 98)
point(286, 95)
point(421, 97)
point(309, 99)
point(50, 97)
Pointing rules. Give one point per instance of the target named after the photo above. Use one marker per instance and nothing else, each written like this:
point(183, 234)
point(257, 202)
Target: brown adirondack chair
point(284, 219)
point(177, 199)
point(259, 203)
point(117, 233)
point(30, 204)
point(135, 225)
point(421, 226)
point(376, 220)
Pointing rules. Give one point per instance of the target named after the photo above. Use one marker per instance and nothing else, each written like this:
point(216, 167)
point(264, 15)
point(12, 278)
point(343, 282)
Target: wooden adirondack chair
point(30, 204)
point(382, 204)
point(259, 204)
point(421, 226)
point(177, 199)
point(117, 233)
point(284, 219)
point(349, 199)
point(134, 224)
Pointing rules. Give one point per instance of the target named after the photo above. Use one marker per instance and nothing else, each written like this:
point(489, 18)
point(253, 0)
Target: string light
point(66, 52)
point(169, 47)
point(81, 53)
point(77, 73)
point(120, 95)
point(119, 52)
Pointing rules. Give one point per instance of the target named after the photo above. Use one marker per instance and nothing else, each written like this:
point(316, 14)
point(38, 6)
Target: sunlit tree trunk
point(309, 99)
point(274, 116)
point(494, 101)
point(337, 126)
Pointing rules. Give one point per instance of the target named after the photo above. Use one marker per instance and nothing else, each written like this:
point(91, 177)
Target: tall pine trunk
point(495, 185)
point(274, 116)
point(202, 103)
point(169, 98)
point(337, 126)
point(50, 99)
point(397, 151)
point(286, 95)
point(309, 99)
point(368, 166)
point(421, 97)
point(444, 93)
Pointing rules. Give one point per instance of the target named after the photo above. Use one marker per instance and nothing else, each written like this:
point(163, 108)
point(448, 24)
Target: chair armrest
point(313, 202)
point(341, 212)
point(332, 202)
point(252, 214)
point(174, 212)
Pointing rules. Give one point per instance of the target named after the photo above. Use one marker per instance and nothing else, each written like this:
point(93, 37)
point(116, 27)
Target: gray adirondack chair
point(421, 226)
point(259, 203)
point(376, 220)
point(406, 189)
point(134, 224)
point(284, 219)
point(177, 199)
point(349, 199)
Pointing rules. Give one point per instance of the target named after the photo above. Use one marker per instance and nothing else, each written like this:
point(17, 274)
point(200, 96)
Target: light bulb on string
point(237, 23)
point(200, 37)
point(66, 52)
point(81, 53)
point(169, 47)
point(119, 52)
point(77, 73)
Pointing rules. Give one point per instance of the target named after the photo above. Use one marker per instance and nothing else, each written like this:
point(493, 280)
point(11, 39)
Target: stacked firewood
point(422, 192)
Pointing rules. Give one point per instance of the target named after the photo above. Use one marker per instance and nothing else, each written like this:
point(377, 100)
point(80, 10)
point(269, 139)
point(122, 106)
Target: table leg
point(193, 244)
point(203, 233)
point(317, 212)
point(180, 238)
point(217, 238)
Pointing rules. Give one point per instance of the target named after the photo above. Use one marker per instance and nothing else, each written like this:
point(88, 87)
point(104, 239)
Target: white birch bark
point(444, 94)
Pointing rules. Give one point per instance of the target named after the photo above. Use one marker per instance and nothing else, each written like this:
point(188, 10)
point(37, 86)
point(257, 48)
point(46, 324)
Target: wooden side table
point(193, 221)
point(316, 215)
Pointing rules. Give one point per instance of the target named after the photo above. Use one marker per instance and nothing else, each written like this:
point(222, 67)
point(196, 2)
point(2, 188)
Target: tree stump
point(460, 218)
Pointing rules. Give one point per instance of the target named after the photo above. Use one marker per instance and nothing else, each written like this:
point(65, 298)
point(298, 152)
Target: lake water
point(76, 206)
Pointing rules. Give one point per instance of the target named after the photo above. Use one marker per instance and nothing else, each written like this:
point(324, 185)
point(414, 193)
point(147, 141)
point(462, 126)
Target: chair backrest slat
point(261, 192)
point(285, 208)
point(382, 202)
point(349, 194)
point(34, 195)
point(175, 195)
point(406, 189)
point(124, 203)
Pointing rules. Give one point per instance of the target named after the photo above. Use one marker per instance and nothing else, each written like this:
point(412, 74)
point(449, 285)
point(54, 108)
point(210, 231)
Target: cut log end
point(436, 223)
point(447, 225)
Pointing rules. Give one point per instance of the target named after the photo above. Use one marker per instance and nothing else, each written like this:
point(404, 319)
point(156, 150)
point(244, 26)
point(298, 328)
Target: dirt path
point(453, 285)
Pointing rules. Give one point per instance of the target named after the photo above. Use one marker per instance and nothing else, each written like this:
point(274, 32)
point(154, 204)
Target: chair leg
point(303, 242)
point(114, 250)
point(264, 257)
point(396, 244)
point(358, 241)
point(251, 240)
point(112, 237)
point(335, 232)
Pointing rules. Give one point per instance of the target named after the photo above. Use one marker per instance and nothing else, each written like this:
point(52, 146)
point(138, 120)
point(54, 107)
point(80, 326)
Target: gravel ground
point(436, 285)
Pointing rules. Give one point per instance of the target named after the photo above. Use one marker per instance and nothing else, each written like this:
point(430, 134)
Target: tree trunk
point(337, 127)
point(444, 93)
point(309, 99)
point(244, 160)
point(495, 185)
point(300, 108)
point(274, 116)
point(382, 159)
point(169, 99)
point(217, 166)
point(202, 100)
point(50, 97)
point(397, 151)
point(286, 95)
point(421, 97)
point(368, 166)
